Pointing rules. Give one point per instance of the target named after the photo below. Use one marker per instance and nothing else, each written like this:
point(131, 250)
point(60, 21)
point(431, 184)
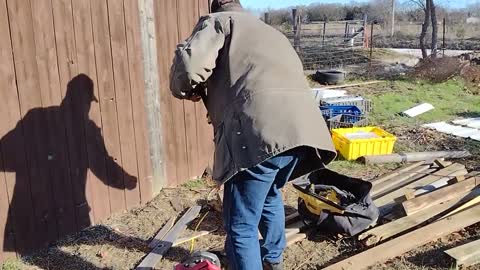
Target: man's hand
point(195, 98)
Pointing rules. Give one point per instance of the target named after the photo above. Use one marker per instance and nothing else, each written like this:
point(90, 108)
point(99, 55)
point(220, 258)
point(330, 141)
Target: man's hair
point(222, 5)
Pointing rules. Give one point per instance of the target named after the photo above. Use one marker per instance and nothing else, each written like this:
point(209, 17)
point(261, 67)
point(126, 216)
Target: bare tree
point(429, 9)
point(433, 14)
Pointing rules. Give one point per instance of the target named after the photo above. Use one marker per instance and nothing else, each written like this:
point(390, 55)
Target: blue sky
point(263, 4)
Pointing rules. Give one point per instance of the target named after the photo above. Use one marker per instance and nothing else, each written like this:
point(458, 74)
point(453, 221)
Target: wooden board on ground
point(413, 157)
point(401, 225)
point(386, 202)
point(396, 173)
point(161, 234)
point(440, 196)
point(394, 183)
point(409, 241)
point(152, 259)
point(475, 195)
point(466, 255)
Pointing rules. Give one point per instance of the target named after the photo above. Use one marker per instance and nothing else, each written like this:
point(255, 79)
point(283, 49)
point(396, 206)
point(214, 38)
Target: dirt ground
point(122, 241)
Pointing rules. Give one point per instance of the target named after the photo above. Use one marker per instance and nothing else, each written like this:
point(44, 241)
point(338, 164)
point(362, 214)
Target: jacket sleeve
point(196, 57)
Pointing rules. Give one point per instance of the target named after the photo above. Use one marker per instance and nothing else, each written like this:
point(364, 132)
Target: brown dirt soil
point(471, 75)
point(121, 242)
point(438, 69)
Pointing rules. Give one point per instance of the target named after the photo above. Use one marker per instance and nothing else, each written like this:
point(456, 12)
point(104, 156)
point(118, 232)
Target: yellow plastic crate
point(352, 148)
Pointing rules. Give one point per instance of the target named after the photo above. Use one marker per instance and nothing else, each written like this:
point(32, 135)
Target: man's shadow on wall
point(49, 152)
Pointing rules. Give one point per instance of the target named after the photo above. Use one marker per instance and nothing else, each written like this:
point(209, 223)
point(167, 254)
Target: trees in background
point(429, 16)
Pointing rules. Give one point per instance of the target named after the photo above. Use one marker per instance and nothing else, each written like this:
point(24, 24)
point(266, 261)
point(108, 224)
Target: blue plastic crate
point(335, 110)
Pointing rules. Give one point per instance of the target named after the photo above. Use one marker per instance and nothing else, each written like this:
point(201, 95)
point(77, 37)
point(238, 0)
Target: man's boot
point(270, 266)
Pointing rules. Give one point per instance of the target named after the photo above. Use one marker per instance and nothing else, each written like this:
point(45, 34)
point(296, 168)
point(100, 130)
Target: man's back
point(259, 54)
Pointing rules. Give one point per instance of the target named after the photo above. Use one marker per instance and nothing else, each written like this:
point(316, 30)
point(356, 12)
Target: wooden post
point(152, 96)
point(324, 32)
point(346, 30)
point(444, 33)
point(267, 18)
point(296, 29)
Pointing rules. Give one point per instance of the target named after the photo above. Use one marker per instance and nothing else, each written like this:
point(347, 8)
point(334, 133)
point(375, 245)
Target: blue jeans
point(253, 202)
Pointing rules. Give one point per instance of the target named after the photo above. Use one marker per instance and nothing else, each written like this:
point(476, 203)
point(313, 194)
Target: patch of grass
point(195, 184)
point(12, 264)
point(450, 100)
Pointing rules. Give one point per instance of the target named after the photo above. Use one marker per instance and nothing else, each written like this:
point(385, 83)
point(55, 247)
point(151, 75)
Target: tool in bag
point(335, 203)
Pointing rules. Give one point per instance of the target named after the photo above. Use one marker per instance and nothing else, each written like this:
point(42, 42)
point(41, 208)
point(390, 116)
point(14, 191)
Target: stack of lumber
point(420, 203)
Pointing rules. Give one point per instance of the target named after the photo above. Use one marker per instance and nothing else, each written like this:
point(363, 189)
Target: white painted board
point(418, 110)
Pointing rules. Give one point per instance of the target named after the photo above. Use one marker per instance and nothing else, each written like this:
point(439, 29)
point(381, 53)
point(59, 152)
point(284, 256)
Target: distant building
point(473, 20)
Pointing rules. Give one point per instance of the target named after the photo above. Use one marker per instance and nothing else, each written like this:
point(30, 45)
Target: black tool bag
point(359, 211)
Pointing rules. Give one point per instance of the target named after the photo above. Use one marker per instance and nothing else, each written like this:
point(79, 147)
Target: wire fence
point(327, 45)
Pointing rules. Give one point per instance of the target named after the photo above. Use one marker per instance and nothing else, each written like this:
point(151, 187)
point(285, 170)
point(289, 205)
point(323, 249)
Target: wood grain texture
point(75, 133)
point(161, 234)
point(51, 94)
point(33, 120)
point(171, 20)
point(152, 259)
point(440, 196)
point(187, 18)
point(166, 46)
point(396, 227)
point(108, 104)
point(137, 86)
point(396, 182)
point(466, 255)
point(123, 95)
point(396, 173)
point(409, 241)
point(450, 172)
point(97, 194)
point(13, 176)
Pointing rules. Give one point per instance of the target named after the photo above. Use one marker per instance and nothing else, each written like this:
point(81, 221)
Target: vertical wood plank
point(164, 60)
point(46, 56)
point(74, 122)
point(137, 86)
point(7, 240)
point(152, 83)
point(34, 120)
point(204, 130)
point(107, 99)
point(10, 114)
point(116, 16)
point(97, 194)
point(170, 18)
point(187, 12)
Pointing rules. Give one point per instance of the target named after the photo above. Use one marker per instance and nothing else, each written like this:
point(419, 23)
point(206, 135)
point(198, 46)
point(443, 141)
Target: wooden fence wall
point(74, 145)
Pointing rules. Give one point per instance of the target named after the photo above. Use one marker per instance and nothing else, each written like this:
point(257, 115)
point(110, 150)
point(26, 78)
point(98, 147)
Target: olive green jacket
point(259, 100)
